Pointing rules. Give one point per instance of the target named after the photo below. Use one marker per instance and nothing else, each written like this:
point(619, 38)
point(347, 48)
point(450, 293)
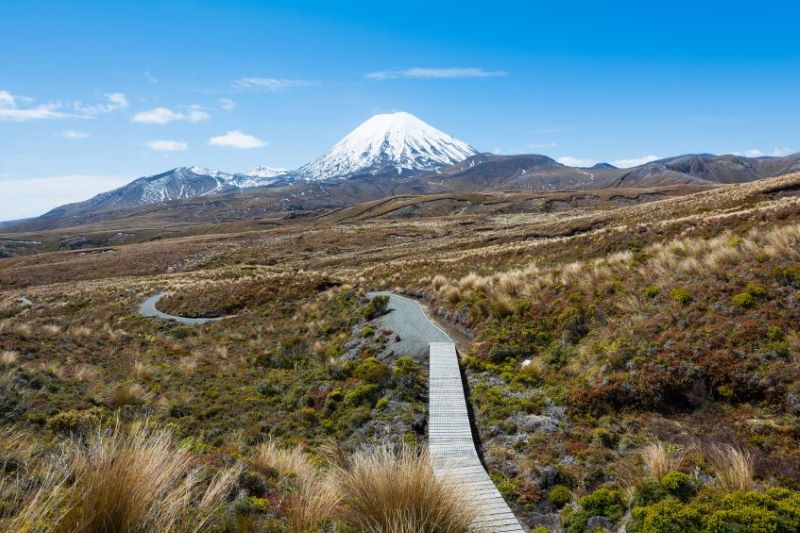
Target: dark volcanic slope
point(489, 172)
point(708, 169)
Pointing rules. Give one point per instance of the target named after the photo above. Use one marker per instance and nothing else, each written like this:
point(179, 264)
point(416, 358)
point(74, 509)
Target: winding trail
point(452, 448)
point(148, 308)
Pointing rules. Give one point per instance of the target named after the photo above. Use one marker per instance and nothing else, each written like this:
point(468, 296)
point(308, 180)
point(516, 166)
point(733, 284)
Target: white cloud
point(11, 110)
point(753, 152)
point(226, 104)
point(39, 112)
point(775, 152)
point(149, 77)
point(271, 85)
point(162, 115)
point(114, 102)
point(634, 161)
point(75, 135)
point(236, 139)
point(576, 161)
point(620, 163)
point(27, 197)
point(7, 99)
point(435, 73)
point(167, 145)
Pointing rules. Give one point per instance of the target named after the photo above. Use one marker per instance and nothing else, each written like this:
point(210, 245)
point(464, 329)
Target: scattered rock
point(599, 522)
point(534, 423)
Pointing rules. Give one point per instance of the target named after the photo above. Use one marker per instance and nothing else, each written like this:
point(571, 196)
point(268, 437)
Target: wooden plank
point(451, 446)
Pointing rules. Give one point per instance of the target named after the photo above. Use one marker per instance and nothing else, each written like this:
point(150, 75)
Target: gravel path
point(148, 308)
point(450, 441)
point(407, 319)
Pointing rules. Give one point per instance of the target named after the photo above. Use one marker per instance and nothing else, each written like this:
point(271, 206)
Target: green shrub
point(376, 307)
point(744, 300)
point(559, 496)
point(682, 296)
point(365, 393)
point(787, 275)
point(558, 354)
point(776, 510)
point(371, 370)
point(607, 438)
point(755, 290)
point(668, 516)
point(679, 485)
point(651, 291)
point(78, 422)
point(382, 403)
point(775, 333)
point(605, 501)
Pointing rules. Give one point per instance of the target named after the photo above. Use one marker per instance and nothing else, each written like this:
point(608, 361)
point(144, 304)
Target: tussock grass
point(138, 480)
point(51, 330)
point(659, 460)
point(396, 491)
point(9, 357)
point(733, 467)
point(80, 332)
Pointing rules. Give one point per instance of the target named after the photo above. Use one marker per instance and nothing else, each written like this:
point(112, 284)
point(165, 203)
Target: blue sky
point(93, 94)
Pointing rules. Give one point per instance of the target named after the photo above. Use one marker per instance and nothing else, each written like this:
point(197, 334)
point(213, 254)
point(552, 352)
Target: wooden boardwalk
point(451, 446)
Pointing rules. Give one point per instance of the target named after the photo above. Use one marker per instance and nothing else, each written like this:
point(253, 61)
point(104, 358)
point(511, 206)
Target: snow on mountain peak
point(394, 143)
point(263, 171)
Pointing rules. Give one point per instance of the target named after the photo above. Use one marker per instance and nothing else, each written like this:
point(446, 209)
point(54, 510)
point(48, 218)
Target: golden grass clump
point(396, 491)
point(286, 462)
point(438, 281)
point(733, 467)
point(317, 496)
point(143, 371)
point(51, 330)
point(80, 332)
point(23, 330)
point(138, 480)
point(8, 357)
point(659, 460)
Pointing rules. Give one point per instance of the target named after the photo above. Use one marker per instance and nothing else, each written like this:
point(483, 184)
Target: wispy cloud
point(39, 112)
point(7, 99)
point(11, 108)
point(435, 73)
point(271, 85)
point(582, 162)
point(163, 115)
point(150, 77)
point(226, 104)
point(634, 161)
point(236, 139)
point(114, 102)
point(167, 145)
point(775, 152)
point(74, 135)
point(576, 161)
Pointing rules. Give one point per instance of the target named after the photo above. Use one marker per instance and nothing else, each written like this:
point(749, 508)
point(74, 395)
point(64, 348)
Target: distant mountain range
point(399, 152)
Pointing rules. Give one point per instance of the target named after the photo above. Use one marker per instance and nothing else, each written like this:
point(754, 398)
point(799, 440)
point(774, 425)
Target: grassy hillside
point(633, 363)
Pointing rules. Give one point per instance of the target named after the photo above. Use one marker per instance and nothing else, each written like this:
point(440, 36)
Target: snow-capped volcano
point(388, 144)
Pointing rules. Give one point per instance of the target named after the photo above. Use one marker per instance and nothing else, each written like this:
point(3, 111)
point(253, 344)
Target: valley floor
point(626, 364)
